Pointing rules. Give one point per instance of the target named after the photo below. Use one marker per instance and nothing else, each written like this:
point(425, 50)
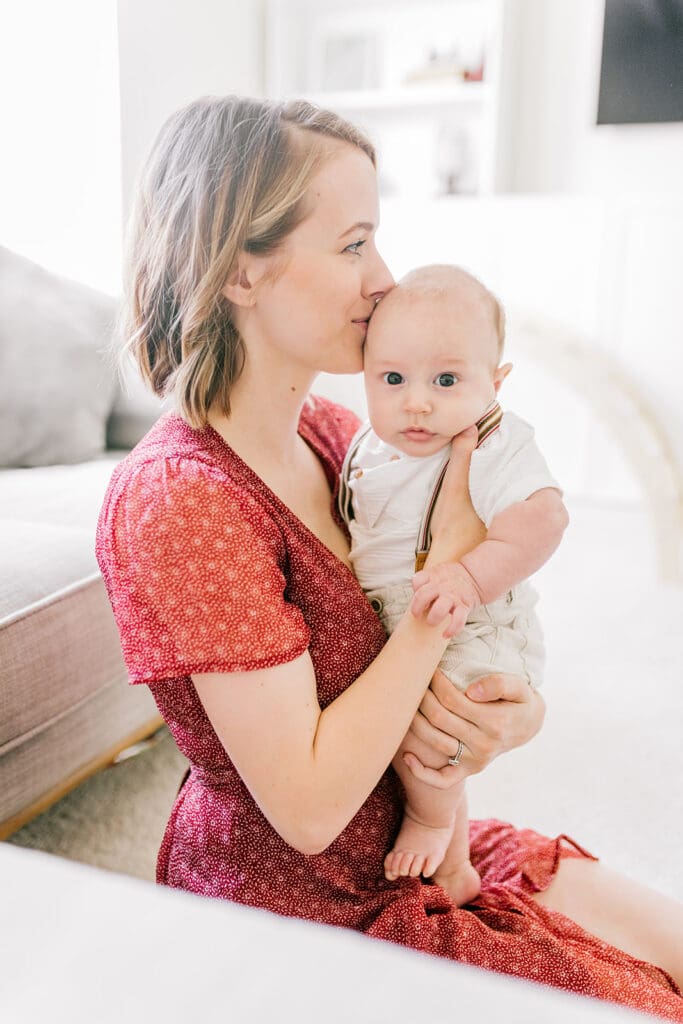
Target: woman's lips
point(363, 324)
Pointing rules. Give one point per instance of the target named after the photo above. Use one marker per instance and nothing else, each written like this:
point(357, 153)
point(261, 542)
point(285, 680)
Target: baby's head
point(432, 358)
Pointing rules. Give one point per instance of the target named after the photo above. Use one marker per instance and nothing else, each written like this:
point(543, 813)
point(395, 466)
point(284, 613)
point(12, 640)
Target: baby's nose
point(417, 400)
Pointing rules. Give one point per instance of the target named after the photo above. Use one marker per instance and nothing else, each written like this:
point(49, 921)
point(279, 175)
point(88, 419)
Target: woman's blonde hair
point(225, 175)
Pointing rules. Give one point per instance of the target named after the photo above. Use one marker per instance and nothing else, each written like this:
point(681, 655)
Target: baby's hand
point(445, 591)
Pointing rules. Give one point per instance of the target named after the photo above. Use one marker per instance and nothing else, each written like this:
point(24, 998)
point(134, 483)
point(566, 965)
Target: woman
point(253, 268)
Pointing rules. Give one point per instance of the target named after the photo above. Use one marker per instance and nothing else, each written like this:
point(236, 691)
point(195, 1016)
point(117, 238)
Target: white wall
point(556, 143)
point(172, 52)
point(60, 196)
point(593, 243)
point(65, 164)
point(612, 268)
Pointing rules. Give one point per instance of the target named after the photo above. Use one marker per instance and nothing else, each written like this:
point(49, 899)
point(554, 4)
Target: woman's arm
point(309, 770)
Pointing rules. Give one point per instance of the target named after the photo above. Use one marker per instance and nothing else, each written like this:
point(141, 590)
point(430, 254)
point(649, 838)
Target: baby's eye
point(355, 247)
point(392, 377)
point(446, 380)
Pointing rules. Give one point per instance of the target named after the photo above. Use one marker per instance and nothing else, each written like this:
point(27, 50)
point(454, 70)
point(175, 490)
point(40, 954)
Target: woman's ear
point(500, 374)
point(240, 286)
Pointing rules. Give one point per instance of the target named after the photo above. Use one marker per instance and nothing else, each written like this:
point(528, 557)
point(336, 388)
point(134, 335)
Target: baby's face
point(430, 368)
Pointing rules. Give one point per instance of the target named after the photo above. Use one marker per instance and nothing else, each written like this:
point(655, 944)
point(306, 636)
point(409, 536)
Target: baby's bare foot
point(418, 850)
point(462, 883)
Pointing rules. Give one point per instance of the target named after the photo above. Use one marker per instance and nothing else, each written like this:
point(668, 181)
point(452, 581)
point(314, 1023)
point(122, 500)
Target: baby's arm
point(519, 541)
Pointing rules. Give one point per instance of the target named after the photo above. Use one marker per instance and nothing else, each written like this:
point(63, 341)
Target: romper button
point(376, 605)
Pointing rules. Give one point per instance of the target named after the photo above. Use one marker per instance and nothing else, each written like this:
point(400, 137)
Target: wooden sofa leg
point(103, 760)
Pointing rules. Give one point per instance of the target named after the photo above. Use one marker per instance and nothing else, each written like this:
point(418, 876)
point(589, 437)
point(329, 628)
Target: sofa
point(65, 421)
point(240, 964)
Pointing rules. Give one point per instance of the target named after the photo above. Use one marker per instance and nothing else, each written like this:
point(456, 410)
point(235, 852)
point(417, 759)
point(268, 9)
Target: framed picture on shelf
point(345, 61)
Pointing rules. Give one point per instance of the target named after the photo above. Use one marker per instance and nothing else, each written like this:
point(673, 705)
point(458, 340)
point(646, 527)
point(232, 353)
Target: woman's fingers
point(454, 521)
point(508, 714)
point(439, 740)
point(486, 729)
point(455, 486)
point(463, 444)
point(500, 687)
point(498, 713)
point(486, 695)
point(439, 778)
point(445, 705)
point(444, 736)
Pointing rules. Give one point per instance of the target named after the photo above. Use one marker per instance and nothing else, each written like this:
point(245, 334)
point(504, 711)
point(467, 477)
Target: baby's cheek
point(379, 412)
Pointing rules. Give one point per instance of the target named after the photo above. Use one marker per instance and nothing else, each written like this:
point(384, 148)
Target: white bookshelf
point(407, 72)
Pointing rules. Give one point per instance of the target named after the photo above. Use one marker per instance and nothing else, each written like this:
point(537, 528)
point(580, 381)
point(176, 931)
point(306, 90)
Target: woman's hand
point(456, 528)
point(495, 714)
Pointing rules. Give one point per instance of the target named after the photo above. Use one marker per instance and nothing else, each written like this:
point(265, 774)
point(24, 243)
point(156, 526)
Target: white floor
point(607, 767)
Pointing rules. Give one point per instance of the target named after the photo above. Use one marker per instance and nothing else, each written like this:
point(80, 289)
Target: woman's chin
point(350, 363)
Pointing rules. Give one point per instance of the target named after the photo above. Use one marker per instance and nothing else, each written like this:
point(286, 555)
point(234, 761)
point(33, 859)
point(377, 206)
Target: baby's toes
point(416, 868)
point(431, 863)
point(391, 865)
point(405, 863)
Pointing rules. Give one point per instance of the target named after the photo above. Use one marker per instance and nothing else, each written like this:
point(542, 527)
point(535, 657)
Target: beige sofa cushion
point(58, 495)
point(56, 389)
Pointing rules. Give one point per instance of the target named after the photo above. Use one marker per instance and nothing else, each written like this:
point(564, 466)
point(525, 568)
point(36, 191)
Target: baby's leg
point(434, 832)
point(455, 874)
point(428, 818)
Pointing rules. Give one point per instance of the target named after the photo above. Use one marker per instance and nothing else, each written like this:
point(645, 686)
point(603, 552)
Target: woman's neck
point(264, 414)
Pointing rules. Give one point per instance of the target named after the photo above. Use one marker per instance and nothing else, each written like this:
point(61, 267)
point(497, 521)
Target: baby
point(433, 369)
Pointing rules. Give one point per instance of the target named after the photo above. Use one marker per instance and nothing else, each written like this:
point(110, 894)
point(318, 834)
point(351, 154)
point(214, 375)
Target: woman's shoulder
point(329, 426)
point(180, 476)
point(176, 452)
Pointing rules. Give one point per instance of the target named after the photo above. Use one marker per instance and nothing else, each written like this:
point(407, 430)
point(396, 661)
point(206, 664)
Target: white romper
point(384, 496)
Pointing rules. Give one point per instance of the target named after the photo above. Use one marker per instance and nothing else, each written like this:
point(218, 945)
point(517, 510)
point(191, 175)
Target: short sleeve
point(195, 575)
point(508, 468)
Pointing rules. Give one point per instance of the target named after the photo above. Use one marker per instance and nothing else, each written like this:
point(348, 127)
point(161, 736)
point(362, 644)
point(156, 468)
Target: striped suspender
point(486, 426)
point(489, 422)
point(344, 501)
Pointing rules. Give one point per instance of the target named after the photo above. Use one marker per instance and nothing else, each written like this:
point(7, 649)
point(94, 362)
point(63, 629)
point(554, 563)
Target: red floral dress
point(207, 571)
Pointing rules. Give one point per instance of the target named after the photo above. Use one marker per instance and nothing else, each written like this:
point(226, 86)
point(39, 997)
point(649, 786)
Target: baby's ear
point(500, 374)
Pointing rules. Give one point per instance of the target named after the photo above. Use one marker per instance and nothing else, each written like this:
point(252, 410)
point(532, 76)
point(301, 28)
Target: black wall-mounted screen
point(641, 78)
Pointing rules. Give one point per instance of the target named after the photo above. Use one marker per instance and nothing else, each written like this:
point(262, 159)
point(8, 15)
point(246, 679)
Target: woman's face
point(328, 274)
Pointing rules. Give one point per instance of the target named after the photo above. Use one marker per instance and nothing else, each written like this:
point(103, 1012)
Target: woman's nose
point(378, 280)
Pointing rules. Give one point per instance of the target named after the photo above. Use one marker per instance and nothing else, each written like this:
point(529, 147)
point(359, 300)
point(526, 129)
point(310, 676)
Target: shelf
point(412, 97)
point(428, 131)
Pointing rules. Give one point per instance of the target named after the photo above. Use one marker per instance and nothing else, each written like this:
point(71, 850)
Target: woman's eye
point(392, 377)
point(445, 380)
point(355, 247)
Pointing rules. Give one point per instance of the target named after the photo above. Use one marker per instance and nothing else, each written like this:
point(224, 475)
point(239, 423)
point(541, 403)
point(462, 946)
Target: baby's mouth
point(417, 432)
